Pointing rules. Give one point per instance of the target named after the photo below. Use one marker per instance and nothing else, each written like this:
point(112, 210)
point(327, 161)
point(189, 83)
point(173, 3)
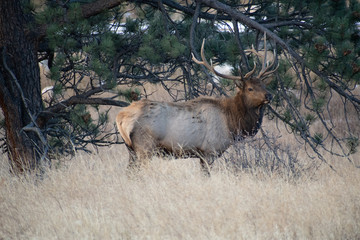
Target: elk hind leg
point(133, 161)
point(141, 150)
point(140, 155)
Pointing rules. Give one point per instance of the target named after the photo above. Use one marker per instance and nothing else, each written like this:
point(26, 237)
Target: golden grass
point(93, 197)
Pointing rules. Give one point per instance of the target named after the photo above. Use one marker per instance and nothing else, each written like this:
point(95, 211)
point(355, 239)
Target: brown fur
point(204, 127)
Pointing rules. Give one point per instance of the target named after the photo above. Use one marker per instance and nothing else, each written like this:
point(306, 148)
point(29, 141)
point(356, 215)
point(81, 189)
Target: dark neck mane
point(242, 121)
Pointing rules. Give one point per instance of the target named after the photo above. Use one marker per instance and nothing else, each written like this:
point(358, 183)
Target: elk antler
point(211, 68)
point(264, 72)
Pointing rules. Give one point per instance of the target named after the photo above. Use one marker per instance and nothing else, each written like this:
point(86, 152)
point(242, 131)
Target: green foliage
point(50, 15)
point(57, 89)
point(337, 47)
point(310, 118)
point(158, 44)
point(288, 81)
point(318, 103)
point(231, 52)
point(76, 116)
point(130, 94)
point(322, 86)
point(100, 69)
point(352, 144)
point(132, 25)
point(107, 45)
point(287, 116)
point(74, 13)
point(283, 71)
point(318, 138)
point(226, 82)
point(300, 127)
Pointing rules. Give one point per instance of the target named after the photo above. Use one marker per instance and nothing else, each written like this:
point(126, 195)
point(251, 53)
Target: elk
point(204, 127)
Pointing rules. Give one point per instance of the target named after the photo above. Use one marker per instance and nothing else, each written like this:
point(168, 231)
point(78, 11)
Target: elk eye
point(250, 89)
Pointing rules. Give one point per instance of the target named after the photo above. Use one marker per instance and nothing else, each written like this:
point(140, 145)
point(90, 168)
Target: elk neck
point(242, 120)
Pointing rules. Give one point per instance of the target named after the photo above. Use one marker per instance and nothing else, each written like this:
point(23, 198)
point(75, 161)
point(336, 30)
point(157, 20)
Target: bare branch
point(81, 99)
point(94, 8)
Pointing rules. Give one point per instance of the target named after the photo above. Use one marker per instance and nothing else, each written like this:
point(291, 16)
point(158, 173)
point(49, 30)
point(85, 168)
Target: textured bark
point(20, 95)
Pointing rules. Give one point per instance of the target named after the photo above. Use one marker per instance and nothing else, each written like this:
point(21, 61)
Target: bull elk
point(204, 127)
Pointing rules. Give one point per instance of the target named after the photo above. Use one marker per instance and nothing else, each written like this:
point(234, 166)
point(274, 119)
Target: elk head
point(252, 88)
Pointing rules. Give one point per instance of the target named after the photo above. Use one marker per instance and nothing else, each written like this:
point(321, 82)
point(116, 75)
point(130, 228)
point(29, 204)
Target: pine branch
point(95, 8)
point(83, 99)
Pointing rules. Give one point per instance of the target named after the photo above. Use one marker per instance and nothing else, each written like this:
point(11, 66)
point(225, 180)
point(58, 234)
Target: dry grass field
point(94, 197)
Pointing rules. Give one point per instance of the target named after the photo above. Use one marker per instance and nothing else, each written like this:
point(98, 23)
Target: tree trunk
point(20, 96)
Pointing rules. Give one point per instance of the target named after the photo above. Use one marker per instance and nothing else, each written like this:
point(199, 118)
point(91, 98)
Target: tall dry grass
point(93, 197)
